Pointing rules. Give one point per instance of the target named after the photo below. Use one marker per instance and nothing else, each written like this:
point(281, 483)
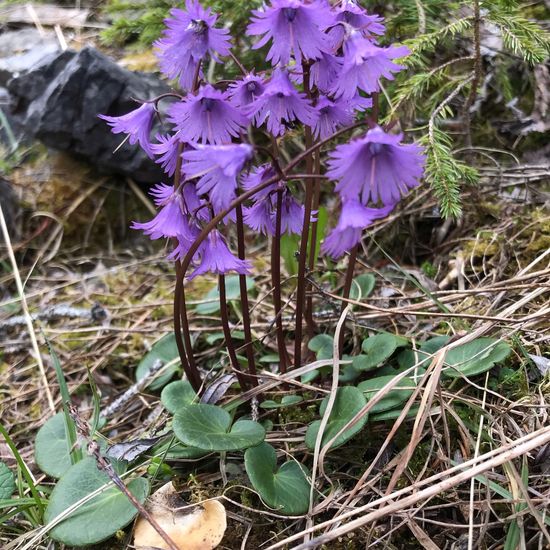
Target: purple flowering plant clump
point(263, 152)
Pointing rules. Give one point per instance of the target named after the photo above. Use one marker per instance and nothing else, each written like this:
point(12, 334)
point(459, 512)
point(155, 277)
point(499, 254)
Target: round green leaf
point(422, 356)
point(322, 345)
point(475, 357)
point(376, 350)
point(286, 401)
point(209, 428)
point(51, 448)
point(7, 482)
point(285, 489)
point(165, 350)
point(397, 395)
point(177, 395)
point(362, 286)
point(349, 401)
point(99, 518)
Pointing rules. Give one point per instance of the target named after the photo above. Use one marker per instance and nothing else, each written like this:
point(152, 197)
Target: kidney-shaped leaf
point(51, 448)
point(397, 395)
point(285, 489)
point(164, 350)
point(208, 427)
point(376, 350)
point(7, 482)
point(475, 357)
point(322, 345)
point(349, 401)
point(100, 517)
point(362, 286)
point(177, 395)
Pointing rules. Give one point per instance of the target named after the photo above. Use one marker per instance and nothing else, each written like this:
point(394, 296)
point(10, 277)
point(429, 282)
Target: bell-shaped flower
point(376, 167)
point(259, 217)
point(292, 215)
point(365, 64)
point(208, 117)
point(258, 175)
point(136, 124)
point(281, 103)
point(331, 116)
point(171, 220)
point(349, 13)
point(189, 36)
point(166, 149)
point(354, 218)
point(244, 91)
point(294, 27)
point(216, 168)
point(324, 72)
point(217, 258)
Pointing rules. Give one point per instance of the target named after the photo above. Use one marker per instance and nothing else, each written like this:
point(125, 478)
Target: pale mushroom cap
point(199, 527)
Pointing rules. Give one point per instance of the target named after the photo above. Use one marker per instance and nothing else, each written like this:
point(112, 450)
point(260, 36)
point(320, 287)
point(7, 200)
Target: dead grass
point(396, 485)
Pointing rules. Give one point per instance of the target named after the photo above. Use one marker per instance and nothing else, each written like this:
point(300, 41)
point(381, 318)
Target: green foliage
point(349, 401)
point(362, 286)
point(286, 401)
point(376, 350)
point(52, 447)
point(211, 302)
point(475, 357)
point(7, 482)
point(209, 428)
point(177, 395)
point(393, 398)
point(98, 518)
point(285, 489)
point(164, 350)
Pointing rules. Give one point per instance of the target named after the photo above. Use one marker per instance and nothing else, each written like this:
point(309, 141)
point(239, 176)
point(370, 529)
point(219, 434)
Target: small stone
point(199, 527)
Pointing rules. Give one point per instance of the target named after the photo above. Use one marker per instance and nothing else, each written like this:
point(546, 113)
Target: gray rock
point(58, 103)
point(22, 50)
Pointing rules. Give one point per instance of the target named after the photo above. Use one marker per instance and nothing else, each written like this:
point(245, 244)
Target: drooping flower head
point(244, 91)
point(189, 36)
point(208, 117)
point(259, 217)
point(292, 215)
point(258, 175)
point(294, 27)
point(376, 167)
point(171, 220)
point(348, 12)
point(217, 258)
point(354, 218)
point(325, 71)
point(166, 150)
point(216, 167)
point(137, 124)
point(331, 116)
point(281, 103)
point(365, 64)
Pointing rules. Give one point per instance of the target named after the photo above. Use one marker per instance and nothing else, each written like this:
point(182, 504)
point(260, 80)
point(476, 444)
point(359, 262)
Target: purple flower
point(295, 27)
point(217, 258)
point(167, 151)
point(376, 167)
point(349, 13)
point(245, 91)
point(259, 217)
point(325, 71)
point(217, 167)
point(184, 244)
point(281, 102)
point(292, 215)
point(332, 115)
point(257, 176)
point(354, 218)
point(364, 65)
point(137, 124)
point(208, 117)
point(189, 36)
point(171, 220)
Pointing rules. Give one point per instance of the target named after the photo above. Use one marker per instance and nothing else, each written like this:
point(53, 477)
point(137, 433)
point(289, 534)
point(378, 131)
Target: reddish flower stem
point(249, 348)
point(227, 334)
point(276, 284)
